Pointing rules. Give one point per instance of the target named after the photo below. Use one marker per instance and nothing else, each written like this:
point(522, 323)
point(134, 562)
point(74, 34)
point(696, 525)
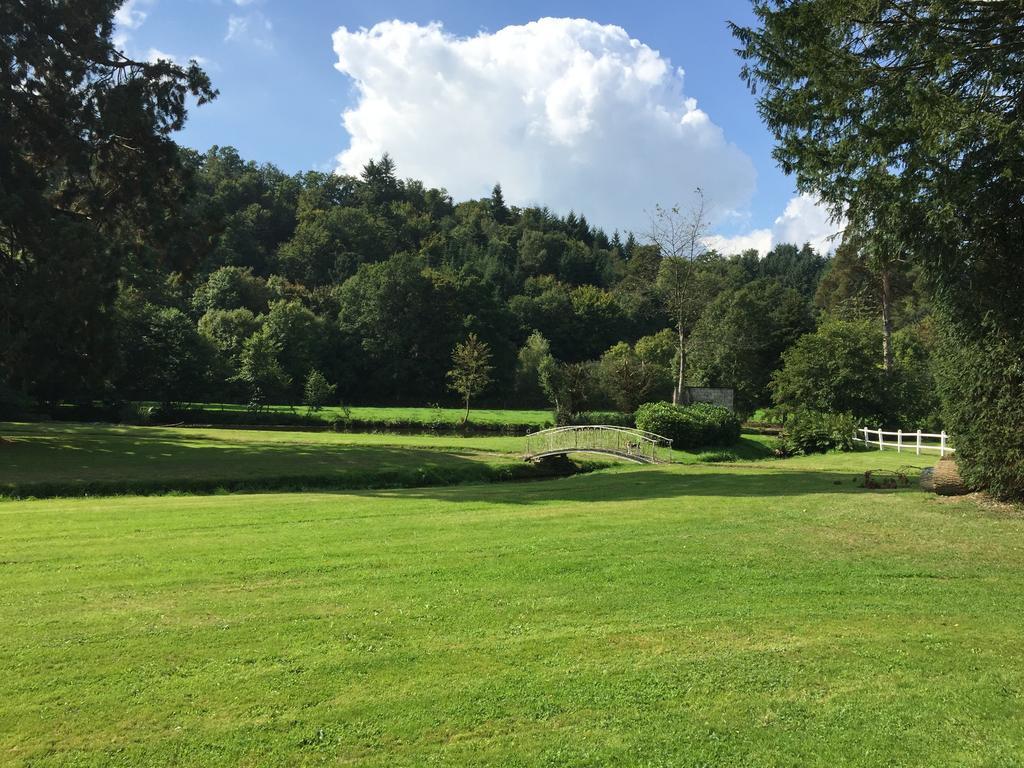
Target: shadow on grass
point(747, 448)
point(648, 483)
point(76, 462)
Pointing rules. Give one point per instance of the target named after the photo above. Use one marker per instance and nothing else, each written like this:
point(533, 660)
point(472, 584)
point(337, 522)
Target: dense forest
point(256, 278)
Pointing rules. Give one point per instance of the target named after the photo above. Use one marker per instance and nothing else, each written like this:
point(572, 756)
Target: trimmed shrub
point(662, 419)
point(692, 426)
point(717, 425)
point(808, 431)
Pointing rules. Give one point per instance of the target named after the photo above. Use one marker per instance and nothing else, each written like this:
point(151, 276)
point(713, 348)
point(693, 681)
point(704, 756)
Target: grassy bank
point(453, 416)
point(764, 614)
point(355, 419)
point(76, 459)
point(62, 459)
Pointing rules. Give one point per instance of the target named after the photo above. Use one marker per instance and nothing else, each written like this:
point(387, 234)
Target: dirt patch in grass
point(985, 504)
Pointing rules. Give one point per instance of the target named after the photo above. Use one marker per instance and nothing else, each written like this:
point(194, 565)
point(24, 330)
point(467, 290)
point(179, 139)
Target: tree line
point(260, 279)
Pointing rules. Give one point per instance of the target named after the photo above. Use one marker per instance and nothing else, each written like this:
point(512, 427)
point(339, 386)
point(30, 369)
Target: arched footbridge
point(629, 444)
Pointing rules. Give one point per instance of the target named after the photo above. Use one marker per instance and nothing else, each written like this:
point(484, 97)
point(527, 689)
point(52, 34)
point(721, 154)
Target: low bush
point(807, 432)
point(692, 426)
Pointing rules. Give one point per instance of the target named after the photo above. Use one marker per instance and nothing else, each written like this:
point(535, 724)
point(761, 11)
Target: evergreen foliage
point(981, 380)
point(87, 168)
point(904, 117)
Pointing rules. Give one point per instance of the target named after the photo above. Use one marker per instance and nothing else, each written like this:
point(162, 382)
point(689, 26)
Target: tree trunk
point(465, 419)
point(679, 393)
point(887, 353)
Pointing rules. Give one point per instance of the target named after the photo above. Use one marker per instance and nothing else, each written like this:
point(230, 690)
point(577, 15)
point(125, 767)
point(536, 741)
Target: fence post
point(880, 445)
point(865, 430)
point(942, 444)
point(899, 441)
point(919, 442)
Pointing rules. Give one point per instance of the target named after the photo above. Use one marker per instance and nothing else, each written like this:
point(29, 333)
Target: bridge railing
point(630, 443)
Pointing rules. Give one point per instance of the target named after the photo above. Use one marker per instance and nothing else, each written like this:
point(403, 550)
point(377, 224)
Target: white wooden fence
point(909, 441)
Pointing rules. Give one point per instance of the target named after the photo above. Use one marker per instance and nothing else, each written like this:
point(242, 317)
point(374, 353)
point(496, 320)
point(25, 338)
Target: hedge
point(700, 425)
point(980, 372)
point(413, 426)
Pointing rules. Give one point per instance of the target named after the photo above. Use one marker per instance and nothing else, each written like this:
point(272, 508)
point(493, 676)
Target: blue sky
point(282, 99)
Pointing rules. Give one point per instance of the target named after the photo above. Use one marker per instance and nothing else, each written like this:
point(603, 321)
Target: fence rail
point(909, 441)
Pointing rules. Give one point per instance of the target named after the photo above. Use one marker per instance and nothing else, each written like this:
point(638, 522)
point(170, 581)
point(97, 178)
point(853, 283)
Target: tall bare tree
point(679, 234)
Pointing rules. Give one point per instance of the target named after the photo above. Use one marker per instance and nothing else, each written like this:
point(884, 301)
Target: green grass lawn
point(766, 613)
point(69, 459)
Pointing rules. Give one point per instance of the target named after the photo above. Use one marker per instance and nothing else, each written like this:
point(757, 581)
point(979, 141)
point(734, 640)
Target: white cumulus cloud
point(759, 240)
point(805, 220)
point(567, 113)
